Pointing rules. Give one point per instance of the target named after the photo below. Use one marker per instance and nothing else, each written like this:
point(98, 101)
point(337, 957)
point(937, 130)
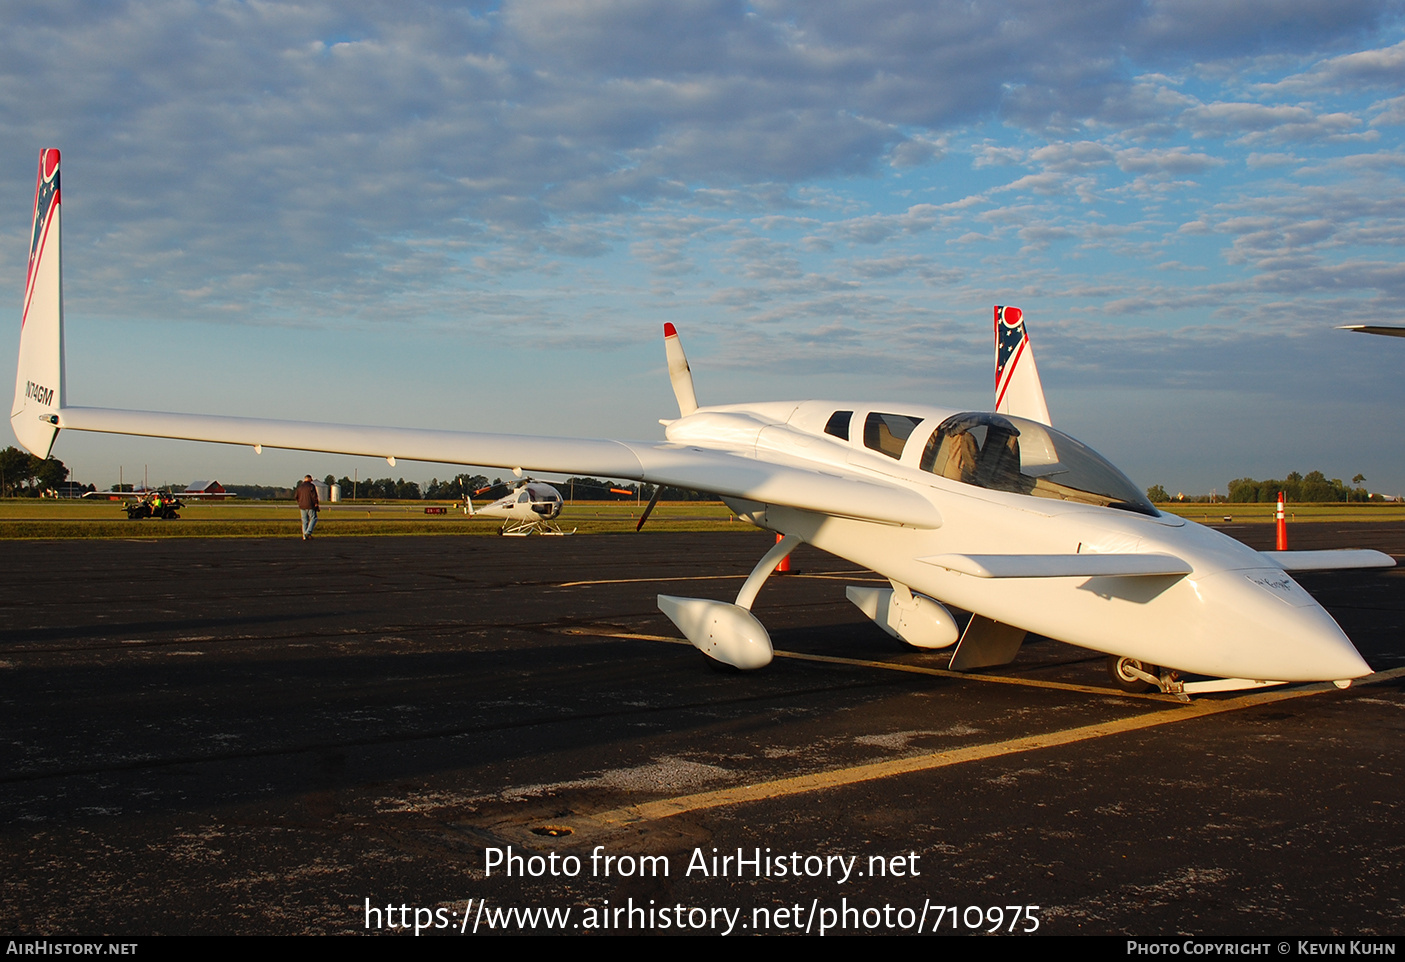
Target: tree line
point(1297, 488)
point(1314, 486)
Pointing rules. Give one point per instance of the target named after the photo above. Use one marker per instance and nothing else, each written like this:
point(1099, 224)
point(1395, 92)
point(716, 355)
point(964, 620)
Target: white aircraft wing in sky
point(1385, 329)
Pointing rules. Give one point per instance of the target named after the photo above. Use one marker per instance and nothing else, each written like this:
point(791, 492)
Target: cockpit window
point(888, 433)
point(838, 424)
point(1024, 457)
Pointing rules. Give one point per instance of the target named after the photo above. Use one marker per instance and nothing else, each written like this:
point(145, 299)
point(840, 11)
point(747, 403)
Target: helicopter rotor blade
point(653, 500)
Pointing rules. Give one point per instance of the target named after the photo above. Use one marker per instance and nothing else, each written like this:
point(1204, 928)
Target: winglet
point(39, 391)
point(679, 372)
point(1018, 390)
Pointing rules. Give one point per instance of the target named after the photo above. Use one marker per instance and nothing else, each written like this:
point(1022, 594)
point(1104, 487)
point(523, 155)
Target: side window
point(887, 433)
point(839, 424)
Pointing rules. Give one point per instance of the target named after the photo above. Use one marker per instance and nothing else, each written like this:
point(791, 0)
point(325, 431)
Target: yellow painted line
point(957, 675)
point(896, 666)
point(857, 576)
point(1376, 678)
point(840, 777)
point(626, 635)
point(839, 576)
point(992, 679)
point(636, 581)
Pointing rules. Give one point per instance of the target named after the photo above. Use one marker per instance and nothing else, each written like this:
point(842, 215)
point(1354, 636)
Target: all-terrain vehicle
point(154, 504)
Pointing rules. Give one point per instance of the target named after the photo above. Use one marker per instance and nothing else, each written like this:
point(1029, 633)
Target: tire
point(1128, 682)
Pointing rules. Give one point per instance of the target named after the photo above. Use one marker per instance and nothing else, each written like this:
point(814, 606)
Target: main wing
point(1389, 330)
point(719, 472)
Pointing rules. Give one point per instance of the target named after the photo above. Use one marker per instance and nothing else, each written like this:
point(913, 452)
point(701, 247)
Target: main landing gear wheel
point(1121, 670)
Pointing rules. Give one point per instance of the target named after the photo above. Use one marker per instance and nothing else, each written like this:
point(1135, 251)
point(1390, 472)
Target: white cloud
point(1382, 67)
point(1173, 160)
point(1072, 157)
point(1388, 112)
point(1251, 123)
point(1045, 183)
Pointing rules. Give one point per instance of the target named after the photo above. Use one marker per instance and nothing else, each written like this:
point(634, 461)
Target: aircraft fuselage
point(1234, 615)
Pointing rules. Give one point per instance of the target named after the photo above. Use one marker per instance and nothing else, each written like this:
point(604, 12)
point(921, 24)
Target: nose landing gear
point(1137, 677)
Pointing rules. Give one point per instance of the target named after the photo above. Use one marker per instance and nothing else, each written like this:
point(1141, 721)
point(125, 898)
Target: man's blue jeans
point(309, 521)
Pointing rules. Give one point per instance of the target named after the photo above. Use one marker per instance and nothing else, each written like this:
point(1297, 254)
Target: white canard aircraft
point(531, 507)
point(997, 513)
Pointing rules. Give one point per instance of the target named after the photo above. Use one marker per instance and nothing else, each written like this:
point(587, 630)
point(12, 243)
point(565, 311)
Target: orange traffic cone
point(784, 566)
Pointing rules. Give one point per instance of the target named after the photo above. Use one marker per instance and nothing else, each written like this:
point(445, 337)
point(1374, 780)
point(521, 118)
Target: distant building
point(210, 490)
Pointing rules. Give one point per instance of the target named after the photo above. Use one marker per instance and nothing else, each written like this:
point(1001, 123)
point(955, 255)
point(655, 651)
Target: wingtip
point(669, 330)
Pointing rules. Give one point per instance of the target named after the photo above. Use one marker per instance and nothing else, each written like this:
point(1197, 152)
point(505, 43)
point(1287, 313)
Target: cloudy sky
point(478, 215)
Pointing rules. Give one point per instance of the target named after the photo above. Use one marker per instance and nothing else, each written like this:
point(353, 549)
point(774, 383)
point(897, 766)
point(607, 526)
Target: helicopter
point(531, 507)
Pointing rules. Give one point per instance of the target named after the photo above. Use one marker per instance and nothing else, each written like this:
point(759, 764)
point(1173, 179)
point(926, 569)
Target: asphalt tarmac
point(476, 734)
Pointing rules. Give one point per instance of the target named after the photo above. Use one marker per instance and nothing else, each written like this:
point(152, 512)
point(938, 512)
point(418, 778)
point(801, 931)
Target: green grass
point(27, 518)
point(1263, 513)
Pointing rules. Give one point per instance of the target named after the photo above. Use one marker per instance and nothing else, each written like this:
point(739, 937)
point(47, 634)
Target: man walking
point(307, 506)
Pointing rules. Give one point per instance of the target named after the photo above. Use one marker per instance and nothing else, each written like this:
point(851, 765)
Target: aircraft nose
point(1321, 650)
point(1279, 631)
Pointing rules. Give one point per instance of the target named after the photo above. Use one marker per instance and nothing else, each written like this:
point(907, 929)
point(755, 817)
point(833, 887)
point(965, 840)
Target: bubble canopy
point(1004, 453)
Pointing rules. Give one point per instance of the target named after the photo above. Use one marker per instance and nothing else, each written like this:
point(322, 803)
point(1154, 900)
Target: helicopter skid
point(522, 529)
